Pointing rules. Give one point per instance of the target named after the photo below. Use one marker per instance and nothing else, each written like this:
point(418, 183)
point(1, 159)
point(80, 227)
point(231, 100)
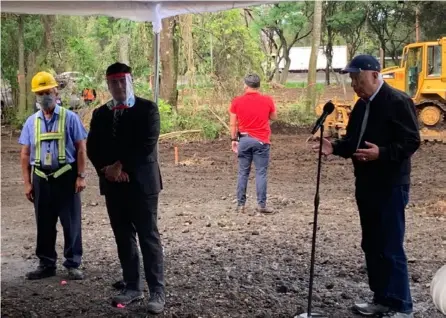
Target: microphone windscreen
point(329, 108)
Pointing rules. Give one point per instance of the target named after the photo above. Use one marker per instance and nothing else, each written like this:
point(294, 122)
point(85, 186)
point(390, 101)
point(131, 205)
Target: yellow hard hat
point(43, 81)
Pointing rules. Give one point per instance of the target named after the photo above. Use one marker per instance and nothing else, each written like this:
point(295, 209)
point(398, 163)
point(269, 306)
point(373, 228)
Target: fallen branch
point(178, 133)
point(219, 118)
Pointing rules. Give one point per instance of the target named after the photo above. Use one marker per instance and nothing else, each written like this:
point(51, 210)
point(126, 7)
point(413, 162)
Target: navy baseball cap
point(362, 63)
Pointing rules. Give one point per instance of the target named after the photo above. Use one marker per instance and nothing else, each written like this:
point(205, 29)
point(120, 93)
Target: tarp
point(148, 11)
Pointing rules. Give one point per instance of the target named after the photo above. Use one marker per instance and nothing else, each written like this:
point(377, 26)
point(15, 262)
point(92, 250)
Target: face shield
point(121, 88)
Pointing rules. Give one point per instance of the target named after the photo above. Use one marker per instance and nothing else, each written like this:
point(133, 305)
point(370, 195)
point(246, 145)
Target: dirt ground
point(222, 264)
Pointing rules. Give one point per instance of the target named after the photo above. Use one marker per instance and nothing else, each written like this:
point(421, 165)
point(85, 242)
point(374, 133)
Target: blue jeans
point(382, 215)
point(249, 150)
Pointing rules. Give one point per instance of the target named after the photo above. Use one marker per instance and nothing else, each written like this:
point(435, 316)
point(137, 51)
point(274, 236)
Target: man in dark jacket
point(382, 135)
point(122, 147)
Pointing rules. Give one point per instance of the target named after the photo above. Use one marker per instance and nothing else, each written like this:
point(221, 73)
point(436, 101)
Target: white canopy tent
point(141, 11)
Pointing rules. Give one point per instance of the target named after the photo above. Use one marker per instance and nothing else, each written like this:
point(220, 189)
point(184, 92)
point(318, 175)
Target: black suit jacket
point(135, 146)
point(393, 126)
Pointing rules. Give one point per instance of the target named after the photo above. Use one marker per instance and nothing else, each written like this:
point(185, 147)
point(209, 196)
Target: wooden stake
point(176, 156)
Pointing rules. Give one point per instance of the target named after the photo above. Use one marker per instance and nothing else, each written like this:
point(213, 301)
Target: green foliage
point(432, 23)
point(166, 116)
point(296, 114)
point(235, 49)
point(188, 118)
point(225, 46)
point(393, 25)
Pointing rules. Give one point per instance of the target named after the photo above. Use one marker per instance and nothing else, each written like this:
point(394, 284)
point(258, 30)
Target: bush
point(189, 119)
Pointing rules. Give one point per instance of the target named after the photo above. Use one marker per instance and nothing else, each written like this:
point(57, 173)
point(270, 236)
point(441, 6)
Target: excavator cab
point(414, 66)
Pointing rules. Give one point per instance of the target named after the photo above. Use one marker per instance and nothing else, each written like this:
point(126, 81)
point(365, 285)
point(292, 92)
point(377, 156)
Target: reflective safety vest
point(59, 135)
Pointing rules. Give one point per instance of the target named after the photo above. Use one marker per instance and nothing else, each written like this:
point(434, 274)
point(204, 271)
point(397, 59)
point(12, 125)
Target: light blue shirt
point(376, 92)
point(74, 132)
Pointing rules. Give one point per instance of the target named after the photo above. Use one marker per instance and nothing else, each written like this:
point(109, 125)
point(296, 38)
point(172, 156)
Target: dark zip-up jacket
point(392, 125)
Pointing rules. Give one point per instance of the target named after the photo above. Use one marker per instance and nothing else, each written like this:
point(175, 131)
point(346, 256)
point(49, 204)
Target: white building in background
point(300, 59)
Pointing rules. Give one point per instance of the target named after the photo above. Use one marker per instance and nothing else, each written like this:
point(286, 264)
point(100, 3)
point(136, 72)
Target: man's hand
point(123, 177)
point(369, 154)
point(113, 171)
point(327, 147)
point(80, 185)
point(235, 146)
point(29, 191)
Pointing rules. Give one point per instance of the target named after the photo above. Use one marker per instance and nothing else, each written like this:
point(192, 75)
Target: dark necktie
point(117, 115)
point(364, 123)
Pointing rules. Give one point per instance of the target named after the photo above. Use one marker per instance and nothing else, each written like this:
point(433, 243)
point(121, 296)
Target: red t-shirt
point(253, 111)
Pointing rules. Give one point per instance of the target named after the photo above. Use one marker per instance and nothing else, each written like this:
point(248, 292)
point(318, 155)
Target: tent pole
point(156, 90)
point(156, 54)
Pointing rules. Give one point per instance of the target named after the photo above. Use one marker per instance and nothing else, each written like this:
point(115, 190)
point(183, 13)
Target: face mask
point(45, 101)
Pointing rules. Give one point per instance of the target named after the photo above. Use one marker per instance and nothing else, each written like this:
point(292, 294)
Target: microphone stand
point(309, 314)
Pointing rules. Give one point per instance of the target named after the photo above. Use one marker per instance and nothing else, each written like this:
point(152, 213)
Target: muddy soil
point(222, 264)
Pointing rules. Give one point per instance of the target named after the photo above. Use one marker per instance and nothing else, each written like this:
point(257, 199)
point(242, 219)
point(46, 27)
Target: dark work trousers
point(132, 212)
point(249, 150)
point(382, 215)
point(55, 198)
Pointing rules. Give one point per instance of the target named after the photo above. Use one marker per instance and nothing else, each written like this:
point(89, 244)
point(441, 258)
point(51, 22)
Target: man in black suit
point(122, 147)
point(382, 135)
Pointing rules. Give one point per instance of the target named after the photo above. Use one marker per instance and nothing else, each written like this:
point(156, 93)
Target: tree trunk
point(21, 75)
point(311, 90)
point(188, 47)
point(123, 46)
point(383, 47)
point(30, 71)
point(329, 55)
point(48, 22)
point(286, 68)
point(169, 62)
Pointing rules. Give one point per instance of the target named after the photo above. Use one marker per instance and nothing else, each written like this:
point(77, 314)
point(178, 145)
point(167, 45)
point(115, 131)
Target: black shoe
point(120, 284)
point(156, 303)
point(75, 274)
point(127, 296)
point(370, 308)
point(41, 272)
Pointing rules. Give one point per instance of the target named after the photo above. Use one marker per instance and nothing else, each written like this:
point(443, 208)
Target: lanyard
point(47, 130)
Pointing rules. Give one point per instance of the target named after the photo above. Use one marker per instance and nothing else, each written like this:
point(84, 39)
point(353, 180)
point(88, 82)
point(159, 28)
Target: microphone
point(328, 109)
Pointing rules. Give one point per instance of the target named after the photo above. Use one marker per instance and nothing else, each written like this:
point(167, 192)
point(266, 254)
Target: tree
point(432, 19)
point(284, 24)
point(312, 68)
point(347, 19)
point(169, 61)
point(21, 74)
point(393, 24)
point(330, 32)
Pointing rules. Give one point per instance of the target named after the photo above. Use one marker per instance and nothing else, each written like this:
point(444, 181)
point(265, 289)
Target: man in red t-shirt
point(250, 135)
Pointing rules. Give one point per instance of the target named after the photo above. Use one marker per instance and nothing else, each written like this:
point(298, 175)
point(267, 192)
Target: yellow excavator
point(422, 75)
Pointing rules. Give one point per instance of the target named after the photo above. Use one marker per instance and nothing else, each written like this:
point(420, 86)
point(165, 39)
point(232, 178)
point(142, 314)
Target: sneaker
point(75, 274)
point(156, 303)
point(127, 296)
point(264, 210)
point(398, 315)
point(120, 284)
point(370, 309)
point(41, 272)
point(240, 209)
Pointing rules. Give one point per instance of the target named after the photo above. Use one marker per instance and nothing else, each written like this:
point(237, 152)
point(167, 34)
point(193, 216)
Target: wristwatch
point(82, 175)
point(234, 139)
